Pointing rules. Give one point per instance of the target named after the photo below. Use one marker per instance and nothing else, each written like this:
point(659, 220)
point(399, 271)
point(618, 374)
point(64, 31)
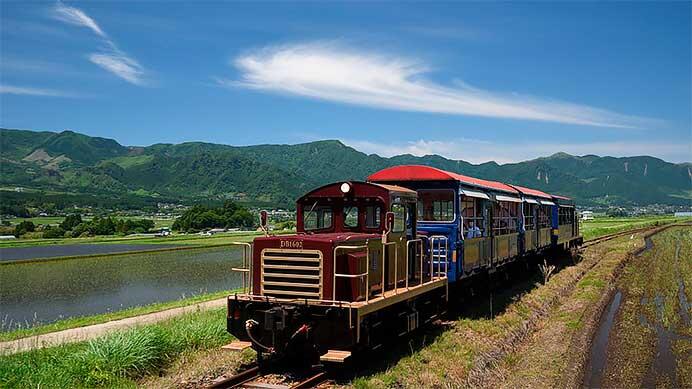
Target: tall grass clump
point(115, 360)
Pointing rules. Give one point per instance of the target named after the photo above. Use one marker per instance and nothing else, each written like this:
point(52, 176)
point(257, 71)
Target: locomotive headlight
point(345, 187)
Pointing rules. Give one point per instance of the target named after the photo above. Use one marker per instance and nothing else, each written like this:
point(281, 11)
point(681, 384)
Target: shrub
point(71, 221)
point(53, 232)
point(24, 227)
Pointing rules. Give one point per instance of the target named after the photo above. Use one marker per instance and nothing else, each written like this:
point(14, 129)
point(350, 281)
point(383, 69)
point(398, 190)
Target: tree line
point(74, 226)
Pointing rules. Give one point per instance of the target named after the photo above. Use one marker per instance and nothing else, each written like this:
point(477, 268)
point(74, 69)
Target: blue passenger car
point(487, 223)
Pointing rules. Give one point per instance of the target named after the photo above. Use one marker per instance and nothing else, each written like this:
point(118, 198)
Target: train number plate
point(291, 244)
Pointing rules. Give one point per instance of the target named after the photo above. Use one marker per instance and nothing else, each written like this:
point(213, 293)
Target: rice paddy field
point(38, 293)
point(650, 322)
point(607, 225)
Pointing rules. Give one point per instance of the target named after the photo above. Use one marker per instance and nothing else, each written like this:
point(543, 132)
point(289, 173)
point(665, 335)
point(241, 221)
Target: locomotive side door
point(395, 258)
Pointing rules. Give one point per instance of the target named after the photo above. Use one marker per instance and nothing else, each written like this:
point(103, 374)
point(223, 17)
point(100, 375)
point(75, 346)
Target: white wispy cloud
point(111, 58)
point(76, 17)
point(122, 66)
point(30, 91)
point(479, 151)
point(330, 71)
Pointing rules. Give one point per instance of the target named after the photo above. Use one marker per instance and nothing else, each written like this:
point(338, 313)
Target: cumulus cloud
point(330, 71)
point(110, 58)
point(479, 151)
point(30, 91)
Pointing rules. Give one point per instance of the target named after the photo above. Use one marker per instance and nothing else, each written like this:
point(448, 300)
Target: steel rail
point(237, 380)
point(311, 381)
point(605, 238)
point(248, 377)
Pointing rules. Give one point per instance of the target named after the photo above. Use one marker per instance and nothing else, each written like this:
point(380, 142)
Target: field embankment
point(84, 321)
point(96, 330)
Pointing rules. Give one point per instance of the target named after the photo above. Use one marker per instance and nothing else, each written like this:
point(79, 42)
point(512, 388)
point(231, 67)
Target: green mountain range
point(69, 162)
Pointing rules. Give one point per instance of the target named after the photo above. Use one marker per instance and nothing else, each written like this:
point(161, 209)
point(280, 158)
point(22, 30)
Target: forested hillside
point(68, 162)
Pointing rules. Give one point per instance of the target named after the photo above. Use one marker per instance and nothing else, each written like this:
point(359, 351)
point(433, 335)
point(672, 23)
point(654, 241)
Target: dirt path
point(93, 331)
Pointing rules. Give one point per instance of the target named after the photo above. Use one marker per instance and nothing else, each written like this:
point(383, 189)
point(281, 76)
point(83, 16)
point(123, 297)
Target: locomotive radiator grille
point(290, 273)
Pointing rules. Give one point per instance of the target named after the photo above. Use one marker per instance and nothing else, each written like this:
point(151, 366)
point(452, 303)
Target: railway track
point(614, 235)
point(254, 378)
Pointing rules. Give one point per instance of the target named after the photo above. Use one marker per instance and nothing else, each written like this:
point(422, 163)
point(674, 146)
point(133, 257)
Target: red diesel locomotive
point(356, 274)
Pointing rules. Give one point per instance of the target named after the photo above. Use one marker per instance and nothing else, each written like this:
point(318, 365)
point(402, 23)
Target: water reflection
point(43, 292)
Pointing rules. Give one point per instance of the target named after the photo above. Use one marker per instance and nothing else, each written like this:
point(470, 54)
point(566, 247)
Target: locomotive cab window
point(317, 217)
point(399, 211)
point(350, 216)
point(372, 216)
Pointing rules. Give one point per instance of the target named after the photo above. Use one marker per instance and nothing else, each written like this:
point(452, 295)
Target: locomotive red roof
point(427, 173)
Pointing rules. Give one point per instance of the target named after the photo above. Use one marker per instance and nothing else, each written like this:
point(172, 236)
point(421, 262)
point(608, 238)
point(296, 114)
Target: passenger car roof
point(427, 173)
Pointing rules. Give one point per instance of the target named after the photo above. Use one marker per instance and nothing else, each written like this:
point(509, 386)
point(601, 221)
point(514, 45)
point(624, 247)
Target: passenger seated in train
point(473, 231)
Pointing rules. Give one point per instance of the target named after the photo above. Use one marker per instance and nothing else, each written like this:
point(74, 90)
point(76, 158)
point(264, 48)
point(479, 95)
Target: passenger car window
point(372, 216)
point(317, 218)
point(399, 217)
point(436, 205)
point(350, 217)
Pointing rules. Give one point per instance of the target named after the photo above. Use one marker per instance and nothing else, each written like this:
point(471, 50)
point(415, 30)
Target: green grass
point(115, 360)
point(605, 225)
point(82, 321)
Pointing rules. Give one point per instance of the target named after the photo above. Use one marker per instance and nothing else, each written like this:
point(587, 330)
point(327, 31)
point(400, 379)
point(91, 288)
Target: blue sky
point(473, 81)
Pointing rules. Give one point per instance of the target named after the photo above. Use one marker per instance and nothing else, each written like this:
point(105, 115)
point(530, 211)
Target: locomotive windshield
point(317, 217)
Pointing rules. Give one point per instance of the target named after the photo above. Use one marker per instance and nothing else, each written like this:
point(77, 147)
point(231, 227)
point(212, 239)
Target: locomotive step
point(237, 346)
point(338, 356)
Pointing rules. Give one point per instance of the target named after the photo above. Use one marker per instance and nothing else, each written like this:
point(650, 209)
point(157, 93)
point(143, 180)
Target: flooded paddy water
point(43, 292)
point(644, 337)
point(69, 250)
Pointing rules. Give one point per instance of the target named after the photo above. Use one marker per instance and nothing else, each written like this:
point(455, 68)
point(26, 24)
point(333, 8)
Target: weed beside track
point(115, 360)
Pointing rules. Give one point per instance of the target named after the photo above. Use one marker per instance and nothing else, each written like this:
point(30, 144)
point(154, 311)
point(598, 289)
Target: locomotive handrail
point(246, 269)
point(358, 275)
